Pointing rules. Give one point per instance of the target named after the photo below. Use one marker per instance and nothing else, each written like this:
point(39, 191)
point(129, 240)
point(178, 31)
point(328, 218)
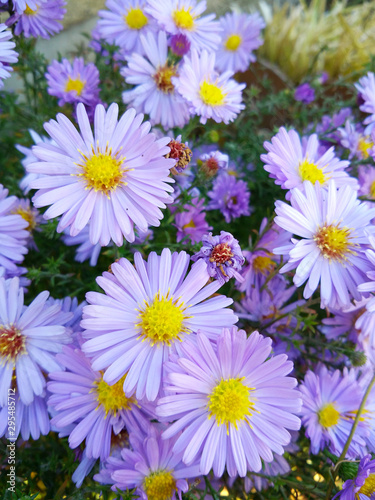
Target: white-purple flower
point(233, 404)
point(7, 53)
point(147, 312)
point(113, 178)
point(155, 93)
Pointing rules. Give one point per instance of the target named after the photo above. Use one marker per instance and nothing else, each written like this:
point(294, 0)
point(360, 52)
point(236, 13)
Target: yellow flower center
point(233, 42)
point(328, 416)
point(160, 485)
point(229, 402)
point(102, 171)
point(162, 321)
point(263, 264)
point(372, 190)
point(364, 144)
point(112, 397)
point(369, 487)
point(310, 172)
point(333, 242)
point(135, 18)
point(163, 78)
point(189, 224)
point(27, 215)
point(30, 12)
point(211, 94)
point(12, 343)
point(183, 19)
point(77, 85)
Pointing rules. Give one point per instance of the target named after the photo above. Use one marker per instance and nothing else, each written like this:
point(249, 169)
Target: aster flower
point(366, 90)
point(240, 36)
point(229, 196)
point(267, 309)
point(114, 178)
point(7, 54)
point(179, 45)
point(13, 233)
point(30, 420)
point(29, 339)
point(327, 129)
point(304, 93)
point(155, 93)
point(191, 223)
point(330, 402)
point(332, 227)
point(74, 82)
point(162, 307)
point(223, 256)
point(184, 17)
point(211, 163)
point(180, 152)
point(42, 21)
point(353, 138)
point(366, 179)
point(261, 260)
point(83, 400)
point(21, 5)
point(345, 321)
point(124, 22)
point(363, 485)
point(151, 467)
point(210, 95)
point(233, 405)
point(291, 163)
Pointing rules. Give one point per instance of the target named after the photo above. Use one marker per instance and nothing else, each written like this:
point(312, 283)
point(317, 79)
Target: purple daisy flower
point(211, 163)
point(210, 95)
point(353, 138)
point(124, 22)
point(183, 17)
point(263, 308)
point(13, 233)
point(332, 225)
point(21, 5)
point(191, 223)
point(179, 45)
point(162, 307)
point(233, 404)
point(366, 90)
point(7, 54)
point(291, 162)
point(330, 402)
point(304, 93)
point(344, 321)
point(42, 21)
point(30, 420)
point(223, 256)
point(240, 36)
point(261, 260)
point(362, 487)
point(152, 468)
point(155, 93)
point(366, 179)
point(93, 409)
point(74, 82)
point(230, 196)
point(114, 178)
point(29, 339)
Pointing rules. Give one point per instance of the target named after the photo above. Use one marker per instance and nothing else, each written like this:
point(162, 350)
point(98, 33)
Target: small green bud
point(348, 470)
point(213, 136)
point(358, 358)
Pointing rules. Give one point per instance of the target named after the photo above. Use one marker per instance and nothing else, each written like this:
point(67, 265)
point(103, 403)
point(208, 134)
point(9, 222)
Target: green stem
point(350, 437)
